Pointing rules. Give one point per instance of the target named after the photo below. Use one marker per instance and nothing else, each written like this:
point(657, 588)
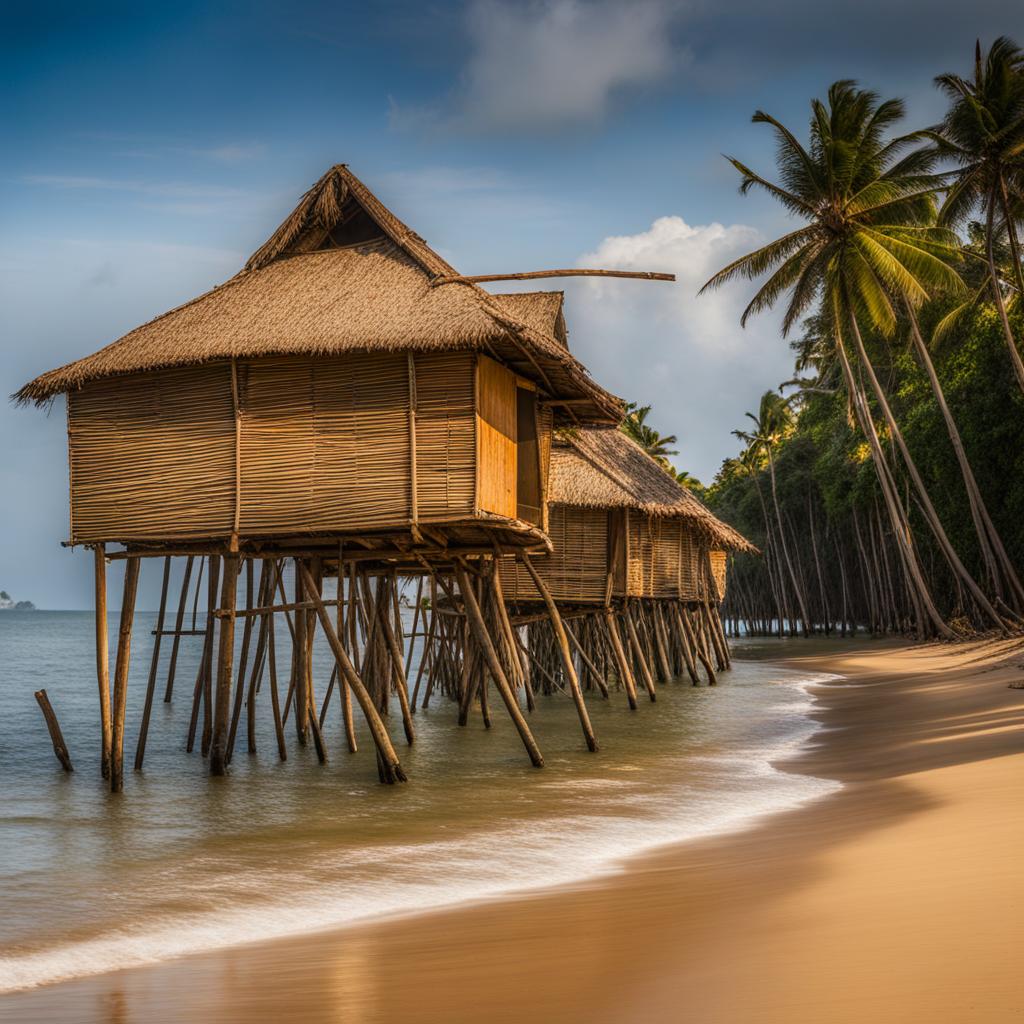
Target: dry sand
point(899, 899)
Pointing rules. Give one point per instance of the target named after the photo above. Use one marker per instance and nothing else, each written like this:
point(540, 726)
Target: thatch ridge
point(603, 468)
point(374, 295)
point(543, 311)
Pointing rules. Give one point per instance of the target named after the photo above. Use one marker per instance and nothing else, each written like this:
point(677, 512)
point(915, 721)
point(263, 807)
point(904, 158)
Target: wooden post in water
point(564, 650)
point(625, 673)
point(103, 658)
point(299, 661)
point(140, 747)
point(391, 768)
point(225, 666)
point(479, 630)
point(178, 623)
point(60, 748)
point(638, 653)
point(124, 647)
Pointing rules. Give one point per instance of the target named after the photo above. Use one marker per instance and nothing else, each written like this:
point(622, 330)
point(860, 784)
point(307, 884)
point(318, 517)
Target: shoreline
point(675, 929)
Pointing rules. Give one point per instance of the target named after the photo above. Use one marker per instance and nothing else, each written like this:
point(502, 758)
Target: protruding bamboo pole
point(566, 653)
point(124, 647)
point(140, 747)
point(390, 765)
point(103, 658)
point(60, 748)
point(225, 667)
point(479, 630)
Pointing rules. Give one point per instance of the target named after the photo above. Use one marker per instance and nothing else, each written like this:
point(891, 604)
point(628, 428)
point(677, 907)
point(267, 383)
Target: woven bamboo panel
point(577, 569)
point(718, 572)
point(691, 556)
point(445, 434)
point(153, 455)
point(496, 415)
point(325, 443)
point(640, 556)
point(665, 563)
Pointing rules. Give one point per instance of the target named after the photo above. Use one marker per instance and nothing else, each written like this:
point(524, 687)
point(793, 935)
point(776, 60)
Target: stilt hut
point(346, 399)
point(637, 559)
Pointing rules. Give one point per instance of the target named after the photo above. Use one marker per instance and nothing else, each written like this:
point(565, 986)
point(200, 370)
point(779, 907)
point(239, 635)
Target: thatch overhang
point(343, 274)
point(603, 468)
point(542, 311)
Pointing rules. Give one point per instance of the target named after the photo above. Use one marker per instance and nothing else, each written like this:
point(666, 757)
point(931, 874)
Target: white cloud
point(664, 345)
point(552, 64)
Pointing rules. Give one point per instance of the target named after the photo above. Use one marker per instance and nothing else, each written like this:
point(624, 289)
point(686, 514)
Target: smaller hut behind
point(621, 527)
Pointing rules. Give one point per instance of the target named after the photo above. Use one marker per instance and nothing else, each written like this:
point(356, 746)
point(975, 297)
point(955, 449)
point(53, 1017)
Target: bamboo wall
point(577, 570)
point(719, 563)
point(317, 445)
point(663, 558)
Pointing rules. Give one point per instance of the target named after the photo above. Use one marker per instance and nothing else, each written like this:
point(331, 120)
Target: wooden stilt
point(596, 674)
point(265, 596)
point(625, 673)
point(300, 685)
point(479, 630)
point(243, 662)
point(103, 658)
point(275, 699)
point(124, 647)
point(566, 653)
point(346, 692)
point(688, 643)
point(389, 759)
point(397, 665)
point(698, 648)
point(178, 623)
point(60, 748)
point(225, 667)
point(140, 747)
point(638, 654)
point(213, 579)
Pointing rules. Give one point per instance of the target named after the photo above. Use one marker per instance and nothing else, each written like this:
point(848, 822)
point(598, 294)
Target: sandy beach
point(897, 899)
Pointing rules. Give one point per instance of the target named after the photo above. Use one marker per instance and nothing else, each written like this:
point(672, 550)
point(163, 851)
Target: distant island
point(7, 603)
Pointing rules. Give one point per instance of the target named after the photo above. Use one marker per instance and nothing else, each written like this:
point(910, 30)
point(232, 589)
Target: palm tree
point(983, 131)
point(869, 234)
point(636, 427)
point(773, 422)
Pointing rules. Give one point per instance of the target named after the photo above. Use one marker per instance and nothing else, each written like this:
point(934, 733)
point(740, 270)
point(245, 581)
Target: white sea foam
point(491, 863)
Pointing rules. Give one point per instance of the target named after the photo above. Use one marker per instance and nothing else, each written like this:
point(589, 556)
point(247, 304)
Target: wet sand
point(898, 899)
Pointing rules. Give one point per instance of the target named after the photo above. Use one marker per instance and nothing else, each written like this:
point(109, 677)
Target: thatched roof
point(541, 310)
point(603, 468)
point(342, 273)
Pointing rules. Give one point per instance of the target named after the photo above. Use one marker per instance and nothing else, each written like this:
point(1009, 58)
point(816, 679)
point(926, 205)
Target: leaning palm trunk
point(931, 516)
point(797, 589)
point(993, 552)
point(1011, 344)
point(926, 612)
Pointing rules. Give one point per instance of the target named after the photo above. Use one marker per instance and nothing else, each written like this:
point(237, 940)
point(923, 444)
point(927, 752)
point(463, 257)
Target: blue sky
point(149, 148)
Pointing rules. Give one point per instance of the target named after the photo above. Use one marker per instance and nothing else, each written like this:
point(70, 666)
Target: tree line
point(884, 483)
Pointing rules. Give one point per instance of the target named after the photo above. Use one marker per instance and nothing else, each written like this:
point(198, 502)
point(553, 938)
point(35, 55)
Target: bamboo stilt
point(60, 748)
point(566, 653)
point(479, 630)
point(225, 667)
point(275, 699)
point(299, 686)
point(243, 662)
point(178, 623)
point(688, 644)
point(391, 766)
point(213, 578)
point(638, 654)
point(399, 669)
point(124, 646)
point(625, 673)
point(140, 748)
point(103, 659)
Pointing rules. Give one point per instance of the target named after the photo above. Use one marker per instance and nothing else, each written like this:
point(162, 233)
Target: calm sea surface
point(181, 862)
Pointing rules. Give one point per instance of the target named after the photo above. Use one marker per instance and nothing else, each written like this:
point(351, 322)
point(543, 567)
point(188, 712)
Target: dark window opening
point(528, 490)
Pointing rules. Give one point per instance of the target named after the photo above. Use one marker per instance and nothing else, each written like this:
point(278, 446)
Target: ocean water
point(181, 863)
